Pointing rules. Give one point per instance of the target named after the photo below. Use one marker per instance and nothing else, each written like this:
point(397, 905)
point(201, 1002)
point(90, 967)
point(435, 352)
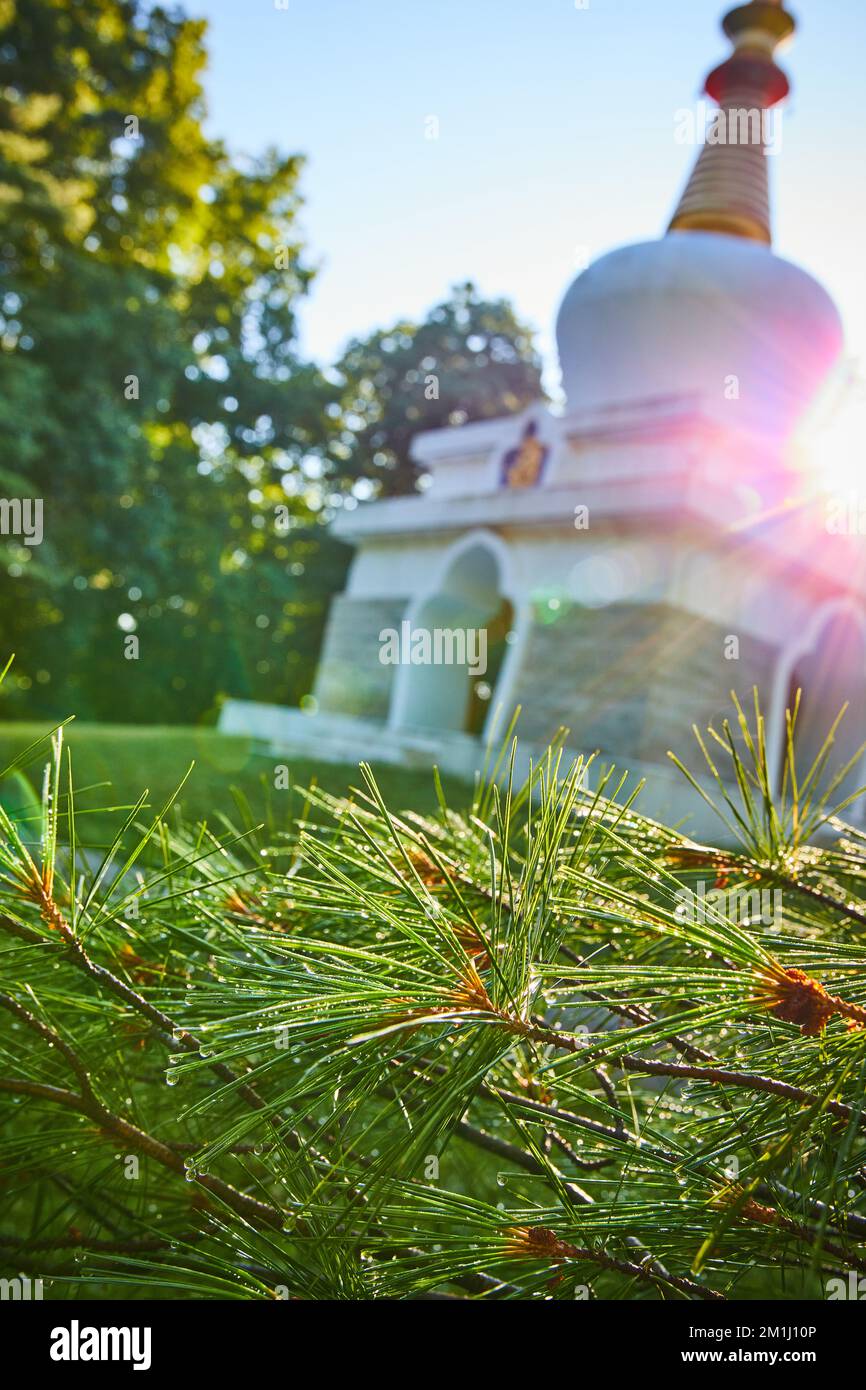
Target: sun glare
point(830, 449)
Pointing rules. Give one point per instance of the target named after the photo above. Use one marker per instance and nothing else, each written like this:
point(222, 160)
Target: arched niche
point(469, 595)
point(828, 666)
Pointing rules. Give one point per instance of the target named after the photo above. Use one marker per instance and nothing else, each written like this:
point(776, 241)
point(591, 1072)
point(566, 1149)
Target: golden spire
point(729, 189)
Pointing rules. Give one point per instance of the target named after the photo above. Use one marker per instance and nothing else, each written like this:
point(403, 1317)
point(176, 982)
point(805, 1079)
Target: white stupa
point(636, 557)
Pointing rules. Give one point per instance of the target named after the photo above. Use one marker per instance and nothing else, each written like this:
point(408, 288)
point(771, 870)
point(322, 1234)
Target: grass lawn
point(114, 763)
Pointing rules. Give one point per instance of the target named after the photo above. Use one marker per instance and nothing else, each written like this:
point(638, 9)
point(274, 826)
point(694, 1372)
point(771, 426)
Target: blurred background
point(236, 233)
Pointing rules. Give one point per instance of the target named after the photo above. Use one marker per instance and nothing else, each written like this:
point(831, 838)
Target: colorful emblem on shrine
point(524, 465)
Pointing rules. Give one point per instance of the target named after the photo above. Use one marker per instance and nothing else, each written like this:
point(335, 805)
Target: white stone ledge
point(331, 738)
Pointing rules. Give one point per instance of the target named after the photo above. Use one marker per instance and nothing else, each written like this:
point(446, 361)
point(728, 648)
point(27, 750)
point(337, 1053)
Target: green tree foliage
point(152, 395)
point(487, 1053)
point(471, 359)
point(151, 391)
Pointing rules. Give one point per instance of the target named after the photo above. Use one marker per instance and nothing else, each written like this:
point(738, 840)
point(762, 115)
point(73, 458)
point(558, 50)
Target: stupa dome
point(709, 310)
point(684, 315)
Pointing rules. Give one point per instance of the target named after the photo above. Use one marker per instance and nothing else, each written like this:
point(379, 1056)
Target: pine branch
point(428, 1007)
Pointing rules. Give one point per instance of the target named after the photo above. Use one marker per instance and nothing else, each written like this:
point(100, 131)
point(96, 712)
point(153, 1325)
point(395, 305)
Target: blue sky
point(556, 139)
